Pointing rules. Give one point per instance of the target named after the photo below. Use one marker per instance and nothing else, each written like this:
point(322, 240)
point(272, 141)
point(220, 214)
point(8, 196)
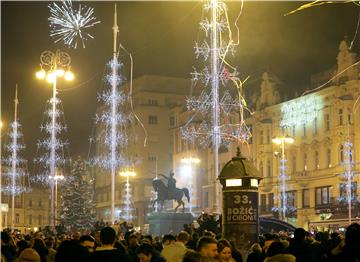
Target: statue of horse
point(163, 194)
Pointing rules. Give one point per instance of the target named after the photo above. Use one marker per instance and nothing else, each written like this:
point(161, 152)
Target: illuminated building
point(320, 122)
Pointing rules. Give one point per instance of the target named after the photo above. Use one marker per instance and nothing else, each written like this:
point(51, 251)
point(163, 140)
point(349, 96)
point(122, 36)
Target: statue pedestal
point(165, 223)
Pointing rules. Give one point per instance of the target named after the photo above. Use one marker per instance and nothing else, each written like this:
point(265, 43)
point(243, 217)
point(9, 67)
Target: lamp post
point(57, 177)
point(282, 140)
point(53, 66)
point(188, 162)
point(128, 174)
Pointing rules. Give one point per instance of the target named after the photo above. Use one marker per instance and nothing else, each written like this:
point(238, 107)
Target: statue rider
point(171, 184)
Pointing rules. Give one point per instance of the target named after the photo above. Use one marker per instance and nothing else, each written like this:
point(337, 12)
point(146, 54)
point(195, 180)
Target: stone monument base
point(165, 223)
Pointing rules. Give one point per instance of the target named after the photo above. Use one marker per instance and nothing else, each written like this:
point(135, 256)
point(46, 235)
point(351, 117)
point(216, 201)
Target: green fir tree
point(77, 205)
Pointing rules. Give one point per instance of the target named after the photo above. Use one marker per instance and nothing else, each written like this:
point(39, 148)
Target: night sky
point(160, 35)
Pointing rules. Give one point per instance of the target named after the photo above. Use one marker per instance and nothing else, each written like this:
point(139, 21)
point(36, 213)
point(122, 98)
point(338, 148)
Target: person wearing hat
point(29, 255)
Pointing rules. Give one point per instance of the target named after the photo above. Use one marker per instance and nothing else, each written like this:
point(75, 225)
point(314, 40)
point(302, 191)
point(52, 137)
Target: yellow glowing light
point(191, 160)
point(285, 139)
point(50, 78)
point(69, 76)
point(59, 72)
point(254, 182)
point(127, 173)
point(41, 74)
point(1, 124)
point(233, 182)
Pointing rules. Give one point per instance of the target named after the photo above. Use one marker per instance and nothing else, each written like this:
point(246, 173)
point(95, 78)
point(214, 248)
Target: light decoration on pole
point(15, 173)
point(53, 66)
point(113, 119)
point(188, 173)
point(349, 187)
point(283, 206)
point(216, 120)
point(70, 24)
point(127, 214)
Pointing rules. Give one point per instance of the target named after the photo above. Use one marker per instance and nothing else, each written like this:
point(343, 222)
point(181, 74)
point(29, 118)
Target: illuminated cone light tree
point(218, 129)
point(14, 175)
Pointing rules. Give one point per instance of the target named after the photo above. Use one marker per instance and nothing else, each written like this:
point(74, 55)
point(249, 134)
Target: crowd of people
point(107, 244)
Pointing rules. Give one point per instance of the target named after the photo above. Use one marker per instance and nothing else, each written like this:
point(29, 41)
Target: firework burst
point(70, 23)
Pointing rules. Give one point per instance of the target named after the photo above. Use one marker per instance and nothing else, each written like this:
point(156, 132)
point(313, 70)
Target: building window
point(343, 191)
point(172, 121)
point(153, 102)
point(349, 119)
point(40, 203)
point(305, 161)
point(17, 218)
point(323, 195)
point(317, 163)
point(30, 202)
point(30, 220)
point(263, 202)
point(261, 169)
point(293, 131)
point(261, 137)
point(341, 152)
point(40, 220)
point(294, 164)
point(153, 120)
point(305, 198)
point(304, 130)
point(271, 200)
point(268, 168)
point(327, 122)
point(341, 117)
point(291, 198)
point(328, 158)
point(315, 126)
point(151, 157)
point(268, 136)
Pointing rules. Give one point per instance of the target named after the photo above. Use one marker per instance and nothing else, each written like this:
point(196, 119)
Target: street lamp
point(188, 164)
point(54, 66)
point(127, 174)
point(282, 140)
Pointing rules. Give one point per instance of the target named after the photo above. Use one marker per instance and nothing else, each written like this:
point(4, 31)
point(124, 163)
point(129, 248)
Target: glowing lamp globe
point(69, 76)
point(41, 74)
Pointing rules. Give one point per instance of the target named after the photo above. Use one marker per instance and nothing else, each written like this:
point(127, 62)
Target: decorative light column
point(57, 177)
point(282, 197)
point(188, 164)
point(53, 66)
point(128, 216)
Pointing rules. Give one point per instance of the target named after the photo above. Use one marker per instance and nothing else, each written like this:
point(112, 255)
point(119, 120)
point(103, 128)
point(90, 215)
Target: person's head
point(5, 238)
point(147, 239)
point(22, 244)
point(299, 234)
point(352, 235)
point(107, 236)
point(88, 242)
point(168, 239)
point(183, 237)
point(29, 255)
point(49, 242)
point(39, 244)
point(77, 235)
point(207, 246)
point(172, 174)
point(275, 248)
point(145, 252)
point(256, 248)
point(224, 250)
point(133, 240)
point(70, 250)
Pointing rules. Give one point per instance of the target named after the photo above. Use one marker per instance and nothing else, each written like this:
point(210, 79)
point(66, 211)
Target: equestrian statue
point(169, 192)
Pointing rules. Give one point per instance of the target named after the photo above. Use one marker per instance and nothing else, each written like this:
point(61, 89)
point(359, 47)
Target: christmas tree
point(77, 205)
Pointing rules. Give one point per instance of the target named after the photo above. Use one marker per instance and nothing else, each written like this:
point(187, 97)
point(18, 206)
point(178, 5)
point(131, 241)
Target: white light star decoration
point(14, 172)
point(70, 22)
point(43, 160)
point(200, 128)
